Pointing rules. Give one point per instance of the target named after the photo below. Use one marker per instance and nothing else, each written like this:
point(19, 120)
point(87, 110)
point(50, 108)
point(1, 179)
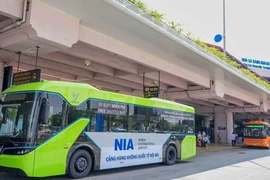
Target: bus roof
point(257, 122)
point(78, 93)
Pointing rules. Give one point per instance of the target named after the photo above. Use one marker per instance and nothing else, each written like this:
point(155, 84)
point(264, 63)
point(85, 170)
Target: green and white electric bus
point(53, 128)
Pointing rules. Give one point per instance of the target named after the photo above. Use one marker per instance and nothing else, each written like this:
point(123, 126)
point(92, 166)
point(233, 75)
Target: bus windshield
point(17, 114)
point(255, 131)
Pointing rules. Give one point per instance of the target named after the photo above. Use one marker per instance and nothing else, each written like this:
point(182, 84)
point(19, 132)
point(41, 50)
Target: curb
point(216, 150)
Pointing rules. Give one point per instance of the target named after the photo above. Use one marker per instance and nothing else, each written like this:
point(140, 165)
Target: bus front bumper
point(16, 172)
point(21, 165)
point(257, 143)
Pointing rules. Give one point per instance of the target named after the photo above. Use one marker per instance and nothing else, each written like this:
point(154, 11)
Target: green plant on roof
point(157, 16)
point(175, 26)
point(140, 5)
point(160, 18)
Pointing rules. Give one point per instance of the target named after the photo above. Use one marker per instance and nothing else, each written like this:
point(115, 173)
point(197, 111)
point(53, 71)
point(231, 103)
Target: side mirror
point(44, 111)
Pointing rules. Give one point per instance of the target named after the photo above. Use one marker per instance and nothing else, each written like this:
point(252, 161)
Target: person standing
point(233, 139)
point(206, 141)
point(202, 140)
point(199, 139)
point(199, 136)
point(219, 137)
point(203, 134)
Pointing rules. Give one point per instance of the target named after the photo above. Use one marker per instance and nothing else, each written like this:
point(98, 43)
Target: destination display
point(152, 91)
point(174, 114)
point(112, 108)
point(254, 126)
point(26, 77)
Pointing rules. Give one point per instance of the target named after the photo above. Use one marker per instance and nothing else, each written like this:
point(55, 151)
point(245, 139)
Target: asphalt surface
point(236, 164)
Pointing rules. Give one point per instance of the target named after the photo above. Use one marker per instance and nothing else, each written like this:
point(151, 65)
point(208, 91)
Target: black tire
point(170, 157)
point(80, 164)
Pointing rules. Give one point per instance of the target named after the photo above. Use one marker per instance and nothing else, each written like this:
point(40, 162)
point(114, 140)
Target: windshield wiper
point(6, 136)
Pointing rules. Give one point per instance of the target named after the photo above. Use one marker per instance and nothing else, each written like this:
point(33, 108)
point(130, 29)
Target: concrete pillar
point(218, 84)
point(224, 125)
point(220, 126)
point(229, 126)
point(2, 70)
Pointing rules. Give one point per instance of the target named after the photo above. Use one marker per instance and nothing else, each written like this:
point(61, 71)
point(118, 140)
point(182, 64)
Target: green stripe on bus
point(188, 147)
point(51, 157)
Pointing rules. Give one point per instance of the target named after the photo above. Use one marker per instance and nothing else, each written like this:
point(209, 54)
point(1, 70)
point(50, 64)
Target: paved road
point(231, 164)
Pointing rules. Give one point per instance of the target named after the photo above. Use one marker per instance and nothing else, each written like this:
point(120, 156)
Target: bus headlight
point(23, 151)
point(17, 151)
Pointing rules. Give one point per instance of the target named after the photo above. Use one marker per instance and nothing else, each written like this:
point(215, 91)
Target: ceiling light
point(87, 62)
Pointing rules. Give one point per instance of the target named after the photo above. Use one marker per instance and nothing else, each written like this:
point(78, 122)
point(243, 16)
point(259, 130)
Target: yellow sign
point(26, 77)
point(152, 91)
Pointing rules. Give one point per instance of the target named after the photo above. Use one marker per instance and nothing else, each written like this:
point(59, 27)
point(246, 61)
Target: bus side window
point(74, 113)
point(82, 111)
point(141, 119)
point(268, 131)
point(108, 116)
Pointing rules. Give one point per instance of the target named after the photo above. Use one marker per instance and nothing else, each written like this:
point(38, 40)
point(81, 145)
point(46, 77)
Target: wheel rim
point(171, 156)
point(81, 164)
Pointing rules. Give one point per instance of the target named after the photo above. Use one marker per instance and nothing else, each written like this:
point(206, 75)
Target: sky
point(247, 25)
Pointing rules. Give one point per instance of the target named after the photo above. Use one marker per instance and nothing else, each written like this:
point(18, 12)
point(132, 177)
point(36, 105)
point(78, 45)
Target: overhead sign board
point(152, 91)
point(256, 64)
point(26, 77)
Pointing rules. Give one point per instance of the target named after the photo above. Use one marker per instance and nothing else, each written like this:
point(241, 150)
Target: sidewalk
point(214, 147)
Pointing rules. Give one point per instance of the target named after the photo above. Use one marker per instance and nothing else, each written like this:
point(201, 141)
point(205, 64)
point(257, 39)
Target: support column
point(229, 126)
point(2, 70)
point(220, 126)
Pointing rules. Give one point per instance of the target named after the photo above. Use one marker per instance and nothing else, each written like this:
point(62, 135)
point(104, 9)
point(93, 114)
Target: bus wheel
point(80, 164)
point(170, 157)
